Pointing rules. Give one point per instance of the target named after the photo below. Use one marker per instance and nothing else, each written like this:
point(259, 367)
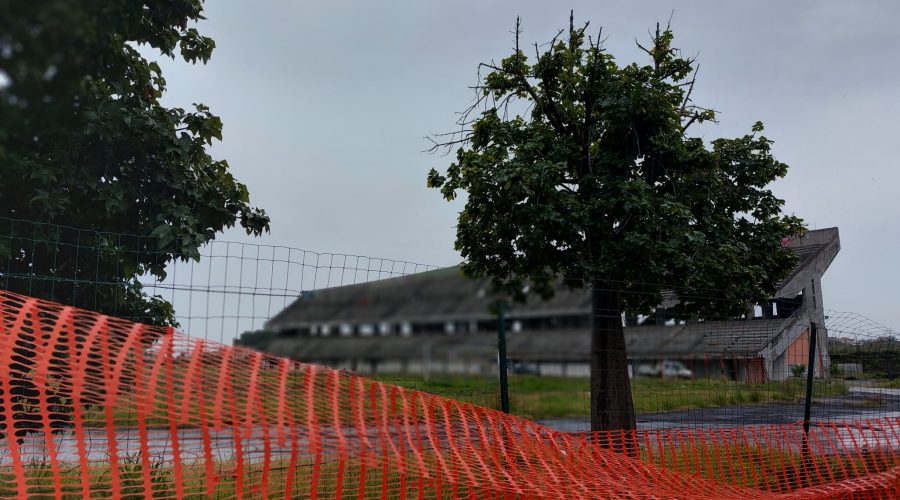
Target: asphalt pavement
point(862, 403)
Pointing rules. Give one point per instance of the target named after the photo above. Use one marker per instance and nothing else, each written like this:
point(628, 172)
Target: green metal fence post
point(501, 357)
point(810, 373)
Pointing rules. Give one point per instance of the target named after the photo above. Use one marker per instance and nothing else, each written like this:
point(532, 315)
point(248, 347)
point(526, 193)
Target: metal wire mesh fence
point(437, 331)
point(224, 289)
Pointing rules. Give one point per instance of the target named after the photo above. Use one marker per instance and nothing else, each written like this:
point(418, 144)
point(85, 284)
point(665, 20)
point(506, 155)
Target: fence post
point(501, 356)
point(805, 450)
point(810, 375)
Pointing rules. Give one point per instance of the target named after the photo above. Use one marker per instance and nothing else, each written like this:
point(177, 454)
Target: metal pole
point(805, 450)
point(810, 373)
point(501, 357)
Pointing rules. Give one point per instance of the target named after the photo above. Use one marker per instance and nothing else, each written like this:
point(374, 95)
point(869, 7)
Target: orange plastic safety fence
point(95, 406)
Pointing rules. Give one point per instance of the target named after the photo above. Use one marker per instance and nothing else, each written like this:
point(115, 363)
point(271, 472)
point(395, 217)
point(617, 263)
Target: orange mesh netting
point(95, 406)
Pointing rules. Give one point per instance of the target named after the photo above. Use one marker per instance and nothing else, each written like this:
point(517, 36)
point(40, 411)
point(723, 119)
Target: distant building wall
point(577, 370)
point(551, 369)
point(710, 367)
point(752, 371)
point(798, 352)
point(747, 370)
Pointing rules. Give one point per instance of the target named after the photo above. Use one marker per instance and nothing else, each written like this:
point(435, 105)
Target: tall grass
point(555, 397)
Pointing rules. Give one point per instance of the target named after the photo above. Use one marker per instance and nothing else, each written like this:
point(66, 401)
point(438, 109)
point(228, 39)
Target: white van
point(665, 369)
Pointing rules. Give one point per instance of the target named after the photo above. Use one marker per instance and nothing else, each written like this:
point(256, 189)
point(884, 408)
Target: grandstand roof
point(446, 295)
point(738, 338)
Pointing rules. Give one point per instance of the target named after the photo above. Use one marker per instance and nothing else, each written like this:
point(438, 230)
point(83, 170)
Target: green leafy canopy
point(85, 141)
point(577, 166)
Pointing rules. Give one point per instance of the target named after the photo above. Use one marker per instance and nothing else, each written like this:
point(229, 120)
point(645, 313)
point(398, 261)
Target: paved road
point(862, 403)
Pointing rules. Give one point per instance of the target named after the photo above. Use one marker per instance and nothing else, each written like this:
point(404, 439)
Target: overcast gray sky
point(326, 105)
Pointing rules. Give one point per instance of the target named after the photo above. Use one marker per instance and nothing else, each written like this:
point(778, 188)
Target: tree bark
point(612, 407)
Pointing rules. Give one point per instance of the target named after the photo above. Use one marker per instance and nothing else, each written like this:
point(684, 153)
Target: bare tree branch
point(690, 90)
point(484, 98)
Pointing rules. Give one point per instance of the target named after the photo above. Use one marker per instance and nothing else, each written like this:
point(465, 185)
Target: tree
point(255, 339)
point(577, 167)
point(86, 143)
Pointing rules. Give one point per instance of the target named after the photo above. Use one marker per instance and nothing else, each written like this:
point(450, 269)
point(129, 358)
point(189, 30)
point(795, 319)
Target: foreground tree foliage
point(85, 142)
point(577, 167)
point(255, 339)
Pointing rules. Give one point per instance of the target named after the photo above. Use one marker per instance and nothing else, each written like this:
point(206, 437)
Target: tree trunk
point(612, 407)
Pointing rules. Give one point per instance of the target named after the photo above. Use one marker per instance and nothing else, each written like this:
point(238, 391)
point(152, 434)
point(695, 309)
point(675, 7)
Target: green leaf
point(102, 152)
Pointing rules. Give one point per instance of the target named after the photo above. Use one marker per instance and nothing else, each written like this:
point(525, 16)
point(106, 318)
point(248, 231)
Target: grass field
point(889, 384)
point(222, 480)
point(531, 396)
point(554, 397)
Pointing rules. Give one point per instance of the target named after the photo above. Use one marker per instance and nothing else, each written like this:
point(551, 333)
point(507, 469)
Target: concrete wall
point(747, 370)
point(798, 351)
point(456, 367)
point(551, 369)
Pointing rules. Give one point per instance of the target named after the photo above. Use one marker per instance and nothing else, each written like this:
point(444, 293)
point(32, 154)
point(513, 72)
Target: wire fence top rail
point(222, 290)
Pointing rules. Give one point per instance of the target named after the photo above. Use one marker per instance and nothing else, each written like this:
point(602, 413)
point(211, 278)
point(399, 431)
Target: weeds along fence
point(98, 406)
point(222, 290)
